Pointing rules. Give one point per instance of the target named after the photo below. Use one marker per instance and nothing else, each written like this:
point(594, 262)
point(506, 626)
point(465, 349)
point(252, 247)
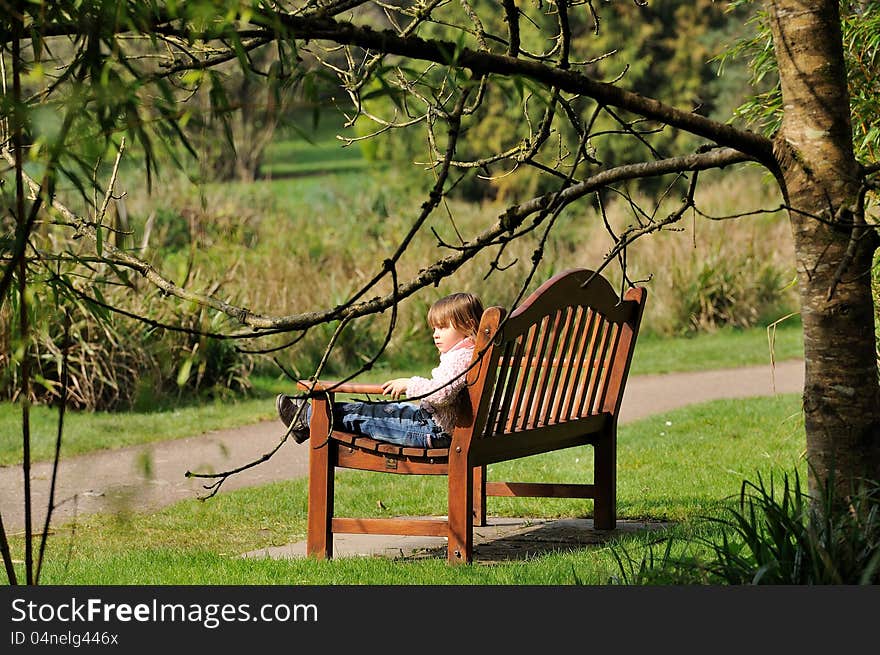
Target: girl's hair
point(462, 311)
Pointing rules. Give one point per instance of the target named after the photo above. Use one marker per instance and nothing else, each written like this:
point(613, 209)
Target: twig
point(50, 503)
point(108, 195)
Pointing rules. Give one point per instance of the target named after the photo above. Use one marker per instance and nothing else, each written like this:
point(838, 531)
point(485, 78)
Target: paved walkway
point(113, 481)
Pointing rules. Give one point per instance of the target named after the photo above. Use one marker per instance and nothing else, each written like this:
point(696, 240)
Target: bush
point(114, 362)
point(104, 366)
point(775, 537)
point(718, 291)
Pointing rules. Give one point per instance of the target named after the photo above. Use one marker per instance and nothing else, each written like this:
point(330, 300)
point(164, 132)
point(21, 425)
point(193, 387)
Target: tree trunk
point(821, 181)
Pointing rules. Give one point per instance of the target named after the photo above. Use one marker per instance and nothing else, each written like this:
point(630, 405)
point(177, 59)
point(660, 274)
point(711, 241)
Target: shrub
point(778, 537)
point(114, 362)
point(737, 290)
point(104, 367)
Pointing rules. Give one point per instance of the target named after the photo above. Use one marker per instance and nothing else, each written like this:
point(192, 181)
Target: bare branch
point(483, 63)
point(62, 407)
point(479, 62)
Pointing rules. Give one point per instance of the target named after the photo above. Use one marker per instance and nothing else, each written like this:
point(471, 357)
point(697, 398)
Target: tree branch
point(277, 24)
point(484, 63)
point(507, 222)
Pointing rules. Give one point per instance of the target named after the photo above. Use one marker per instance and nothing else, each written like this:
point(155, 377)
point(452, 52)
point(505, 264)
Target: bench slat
point(374, 445)
point(519, 397)
point(581, 372)
point(551, 409)
point(594, 355)
point(541, 394)
point(421, 527)
point(543, 329)
point(562, 411)
point(513, 373)
point(497, 392)
point(608, 362)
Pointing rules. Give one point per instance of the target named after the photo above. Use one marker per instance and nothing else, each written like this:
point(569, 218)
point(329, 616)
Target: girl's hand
point(395, 388)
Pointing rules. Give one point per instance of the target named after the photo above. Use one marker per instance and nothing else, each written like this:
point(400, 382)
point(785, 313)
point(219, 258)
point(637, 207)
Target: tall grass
point(710, 270)
point(287, 246)
point(316, 240)
point(775, 534)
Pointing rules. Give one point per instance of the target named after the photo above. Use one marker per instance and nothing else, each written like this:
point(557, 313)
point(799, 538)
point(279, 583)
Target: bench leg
point(605, 478)
point(460, 547)
point(479, 517)
point(319, 542)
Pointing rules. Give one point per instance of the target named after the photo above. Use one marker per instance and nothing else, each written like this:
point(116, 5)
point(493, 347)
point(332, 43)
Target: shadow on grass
point(526, 540)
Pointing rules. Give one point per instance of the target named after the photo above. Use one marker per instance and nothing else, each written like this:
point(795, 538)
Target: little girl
point(455, 320)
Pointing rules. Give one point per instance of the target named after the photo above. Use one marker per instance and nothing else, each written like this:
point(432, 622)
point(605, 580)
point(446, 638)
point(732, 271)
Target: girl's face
point(446, 337)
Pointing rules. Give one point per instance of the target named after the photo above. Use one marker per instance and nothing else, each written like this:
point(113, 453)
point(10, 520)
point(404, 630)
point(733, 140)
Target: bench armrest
point(339, 387)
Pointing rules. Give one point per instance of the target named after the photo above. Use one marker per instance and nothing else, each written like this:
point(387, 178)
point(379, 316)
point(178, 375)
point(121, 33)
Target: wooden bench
point(550, 375)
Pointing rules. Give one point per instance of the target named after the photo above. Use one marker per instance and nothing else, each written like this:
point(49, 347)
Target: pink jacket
point(444, 402)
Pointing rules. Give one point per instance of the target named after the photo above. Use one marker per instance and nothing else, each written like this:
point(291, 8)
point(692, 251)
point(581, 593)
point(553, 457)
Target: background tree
point(81, 74)
point(235, 113)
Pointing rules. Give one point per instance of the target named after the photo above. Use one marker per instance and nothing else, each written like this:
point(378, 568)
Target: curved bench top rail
point(574, 287)
point(560, 356)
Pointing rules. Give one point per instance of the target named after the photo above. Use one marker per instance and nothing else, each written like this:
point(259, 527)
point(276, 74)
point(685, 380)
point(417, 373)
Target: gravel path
point(114, 481)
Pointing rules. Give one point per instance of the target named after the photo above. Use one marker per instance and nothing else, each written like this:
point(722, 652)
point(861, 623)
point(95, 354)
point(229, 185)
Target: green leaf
point(184, 371)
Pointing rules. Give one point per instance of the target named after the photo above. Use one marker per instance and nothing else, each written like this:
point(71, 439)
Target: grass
point(86, 432)
point(312, 151)
point(90, 431)
point(334, 230)
point(675, 467)
point(725, 348)
point(319, 160)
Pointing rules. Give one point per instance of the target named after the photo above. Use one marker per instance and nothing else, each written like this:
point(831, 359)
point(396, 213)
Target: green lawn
point(726, 348)
point(311, 152)
point(676, 467)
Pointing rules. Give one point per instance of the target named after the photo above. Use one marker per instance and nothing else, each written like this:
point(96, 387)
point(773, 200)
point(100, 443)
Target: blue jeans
point(403, 424)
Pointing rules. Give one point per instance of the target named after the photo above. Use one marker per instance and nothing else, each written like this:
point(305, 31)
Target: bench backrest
point(561, 356)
